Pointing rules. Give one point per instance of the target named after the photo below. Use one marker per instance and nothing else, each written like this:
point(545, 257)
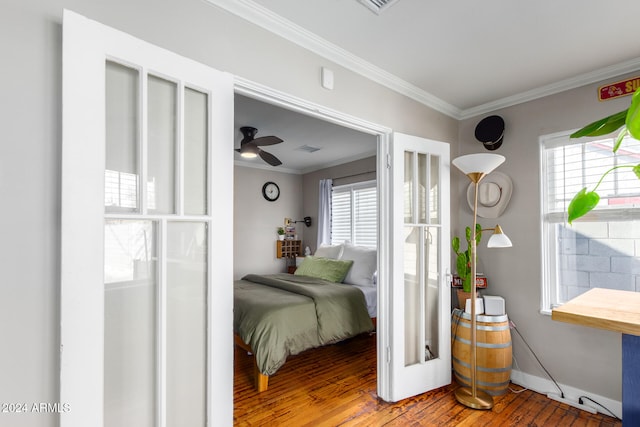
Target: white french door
point(146, 305)
point(419, 342)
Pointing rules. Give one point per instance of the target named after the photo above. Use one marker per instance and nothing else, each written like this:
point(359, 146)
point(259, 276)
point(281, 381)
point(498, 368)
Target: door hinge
point(388, 354)
point(388, 161)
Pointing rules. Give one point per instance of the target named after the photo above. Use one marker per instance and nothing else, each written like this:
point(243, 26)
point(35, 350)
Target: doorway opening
point(359, 155)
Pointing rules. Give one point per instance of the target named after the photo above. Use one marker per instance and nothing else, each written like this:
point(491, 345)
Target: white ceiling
point(465, 57)
point(337, 144)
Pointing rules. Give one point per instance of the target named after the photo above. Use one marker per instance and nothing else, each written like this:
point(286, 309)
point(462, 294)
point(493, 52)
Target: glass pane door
point(421, 270)
point(130, 327)
point(156, 265)
point(420, 351)
point(186, 320)
point(121, 175)
point(140, 307)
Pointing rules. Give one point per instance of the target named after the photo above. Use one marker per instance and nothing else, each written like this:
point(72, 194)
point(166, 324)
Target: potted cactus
point(463, 263)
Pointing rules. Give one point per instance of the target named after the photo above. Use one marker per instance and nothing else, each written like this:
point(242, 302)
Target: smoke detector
point(378, 6)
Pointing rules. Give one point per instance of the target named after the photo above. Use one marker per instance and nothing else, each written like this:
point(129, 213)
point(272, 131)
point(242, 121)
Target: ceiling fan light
point(249, 151)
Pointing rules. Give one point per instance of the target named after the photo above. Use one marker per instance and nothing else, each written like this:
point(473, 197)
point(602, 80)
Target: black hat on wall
point(490, 132)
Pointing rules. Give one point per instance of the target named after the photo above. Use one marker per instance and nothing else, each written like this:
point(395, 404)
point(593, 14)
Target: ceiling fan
point(250, 145)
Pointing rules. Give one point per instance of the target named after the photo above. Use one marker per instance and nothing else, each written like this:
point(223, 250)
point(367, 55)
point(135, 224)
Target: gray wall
point(30, 105)
point(585, 358)
point(256, 219)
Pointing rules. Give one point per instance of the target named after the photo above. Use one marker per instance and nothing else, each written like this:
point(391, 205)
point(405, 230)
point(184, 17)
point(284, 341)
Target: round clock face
point(271, 191)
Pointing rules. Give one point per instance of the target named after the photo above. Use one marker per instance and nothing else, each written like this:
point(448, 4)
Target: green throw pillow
point(333, 270)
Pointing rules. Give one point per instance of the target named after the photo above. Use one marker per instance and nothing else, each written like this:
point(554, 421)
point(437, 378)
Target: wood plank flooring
point(336, 386)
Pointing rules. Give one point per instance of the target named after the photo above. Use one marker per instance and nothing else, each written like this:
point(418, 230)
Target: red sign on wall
point(618, 89)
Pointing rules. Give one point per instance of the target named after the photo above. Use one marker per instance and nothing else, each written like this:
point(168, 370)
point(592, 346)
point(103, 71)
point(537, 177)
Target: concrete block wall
point(598, 255)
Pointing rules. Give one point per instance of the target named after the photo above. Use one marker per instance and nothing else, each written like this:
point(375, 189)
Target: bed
point(278, 315)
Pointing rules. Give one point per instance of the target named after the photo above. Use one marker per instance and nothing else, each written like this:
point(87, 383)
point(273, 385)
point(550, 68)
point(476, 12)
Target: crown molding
point(261, 16)
point(259, 164)
point(557, 87)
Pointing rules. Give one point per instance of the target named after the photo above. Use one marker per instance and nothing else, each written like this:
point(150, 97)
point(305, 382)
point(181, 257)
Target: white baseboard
point(571, 394)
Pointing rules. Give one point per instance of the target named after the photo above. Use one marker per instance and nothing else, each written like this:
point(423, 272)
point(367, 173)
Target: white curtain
point(324, 211)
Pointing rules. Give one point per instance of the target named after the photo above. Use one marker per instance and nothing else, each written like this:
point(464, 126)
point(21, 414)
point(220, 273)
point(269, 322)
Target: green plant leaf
point(467, 232)
point(582, 203)
point(478, 234)
point(456, 244)
point(619, 139)
point(602, 126)
point(461, 266)
point(466, 284)
point(633, 116)
point(636, 170)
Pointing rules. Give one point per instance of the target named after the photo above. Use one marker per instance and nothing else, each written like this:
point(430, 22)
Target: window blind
point(572, 165)
point(354, 214)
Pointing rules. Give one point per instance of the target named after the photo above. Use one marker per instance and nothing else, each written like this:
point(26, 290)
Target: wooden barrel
point(493, 351)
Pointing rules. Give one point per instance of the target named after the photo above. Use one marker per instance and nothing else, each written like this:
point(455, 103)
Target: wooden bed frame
point(261, 380)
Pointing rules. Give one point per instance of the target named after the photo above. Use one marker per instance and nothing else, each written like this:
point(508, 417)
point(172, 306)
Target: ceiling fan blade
point(267, 140)
point(269, 158)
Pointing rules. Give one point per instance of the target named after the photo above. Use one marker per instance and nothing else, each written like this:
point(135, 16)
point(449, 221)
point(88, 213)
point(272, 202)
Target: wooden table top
point(608, 309)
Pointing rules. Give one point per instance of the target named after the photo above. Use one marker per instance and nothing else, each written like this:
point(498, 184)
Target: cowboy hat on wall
point(494, 193)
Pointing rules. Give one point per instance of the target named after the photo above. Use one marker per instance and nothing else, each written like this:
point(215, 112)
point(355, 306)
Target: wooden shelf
point(288, 248)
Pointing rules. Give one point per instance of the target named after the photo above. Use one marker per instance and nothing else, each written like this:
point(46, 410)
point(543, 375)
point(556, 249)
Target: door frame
point(383, 134)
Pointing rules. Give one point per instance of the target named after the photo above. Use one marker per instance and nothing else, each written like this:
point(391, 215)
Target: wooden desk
point(617, 311)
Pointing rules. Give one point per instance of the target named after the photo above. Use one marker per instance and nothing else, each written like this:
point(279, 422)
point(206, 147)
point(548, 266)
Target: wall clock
point(271, 191)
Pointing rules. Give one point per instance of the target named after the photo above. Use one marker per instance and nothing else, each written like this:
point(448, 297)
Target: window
point(354, 214)
point(600, 249)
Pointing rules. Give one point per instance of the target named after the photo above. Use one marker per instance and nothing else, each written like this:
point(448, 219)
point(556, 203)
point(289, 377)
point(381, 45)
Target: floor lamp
point(476, 167)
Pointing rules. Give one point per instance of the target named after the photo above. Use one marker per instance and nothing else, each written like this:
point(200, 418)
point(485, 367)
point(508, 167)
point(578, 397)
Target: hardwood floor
point(336, 386)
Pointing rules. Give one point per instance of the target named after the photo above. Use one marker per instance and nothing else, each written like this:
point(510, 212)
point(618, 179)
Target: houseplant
point(463, 262)
point(280, 232)
point(628, 121)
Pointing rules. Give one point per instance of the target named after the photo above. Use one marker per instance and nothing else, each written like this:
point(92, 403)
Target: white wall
point(584, 358)
point(256, 219)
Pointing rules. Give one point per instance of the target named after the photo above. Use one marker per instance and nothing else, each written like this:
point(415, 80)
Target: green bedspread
point(279, 315)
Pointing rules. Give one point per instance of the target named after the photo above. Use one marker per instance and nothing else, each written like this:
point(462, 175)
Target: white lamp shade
point(480, 162)
point(499, 240)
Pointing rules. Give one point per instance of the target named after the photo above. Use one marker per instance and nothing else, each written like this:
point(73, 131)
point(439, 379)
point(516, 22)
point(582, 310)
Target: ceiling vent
point(308, 148)
point(378, 6)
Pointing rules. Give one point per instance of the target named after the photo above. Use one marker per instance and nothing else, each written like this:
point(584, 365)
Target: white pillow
point(365, 264)
point(329, 251)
